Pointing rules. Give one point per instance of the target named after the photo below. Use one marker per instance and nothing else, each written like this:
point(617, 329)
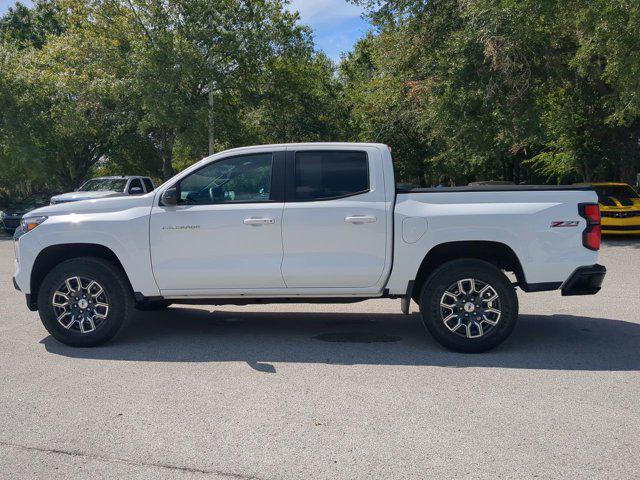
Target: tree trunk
point(167, 164)
point(67, 177)
point(212, 138)
point(166, 153)
point(516, 168)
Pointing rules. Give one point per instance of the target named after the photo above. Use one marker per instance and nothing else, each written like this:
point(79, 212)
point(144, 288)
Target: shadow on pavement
point(555, 342)
point(615, 241)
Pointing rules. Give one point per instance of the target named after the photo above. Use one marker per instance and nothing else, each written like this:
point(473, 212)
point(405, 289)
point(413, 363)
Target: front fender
point(125, 233)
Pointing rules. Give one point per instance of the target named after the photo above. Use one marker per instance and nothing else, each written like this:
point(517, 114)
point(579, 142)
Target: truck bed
point(518, 216)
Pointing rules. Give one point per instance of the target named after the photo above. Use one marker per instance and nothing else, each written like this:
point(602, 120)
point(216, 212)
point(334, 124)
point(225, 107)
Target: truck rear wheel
point(469, 305)
point(83, 302)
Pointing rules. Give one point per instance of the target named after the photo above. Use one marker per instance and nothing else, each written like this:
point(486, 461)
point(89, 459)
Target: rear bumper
point(584, 281)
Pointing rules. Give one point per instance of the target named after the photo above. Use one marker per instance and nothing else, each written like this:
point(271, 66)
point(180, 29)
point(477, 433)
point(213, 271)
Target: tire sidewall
point(450, 273)
point(103, 273)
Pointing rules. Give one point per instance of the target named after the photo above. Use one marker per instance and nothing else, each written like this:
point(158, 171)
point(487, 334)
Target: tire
point(153, 306)
point(455, 314)
point(102, 283)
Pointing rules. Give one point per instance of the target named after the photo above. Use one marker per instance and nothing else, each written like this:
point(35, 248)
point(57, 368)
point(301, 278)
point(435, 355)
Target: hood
point(76, 196)
point(100, 205)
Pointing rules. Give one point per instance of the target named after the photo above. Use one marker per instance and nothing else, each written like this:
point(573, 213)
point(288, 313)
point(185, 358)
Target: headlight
point(27, 224)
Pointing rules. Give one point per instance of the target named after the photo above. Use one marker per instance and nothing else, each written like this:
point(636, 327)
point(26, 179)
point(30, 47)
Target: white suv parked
point(102, 187)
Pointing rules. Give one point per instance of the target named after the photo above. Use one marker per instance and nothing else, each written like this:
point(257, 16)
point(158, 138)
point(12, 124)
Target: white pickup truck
point(309, 222)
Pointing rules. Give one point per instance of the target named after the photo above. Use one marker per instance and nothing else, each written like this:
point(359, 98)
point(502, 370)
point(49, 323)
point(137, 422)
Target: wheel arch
point(53, 255)
point(496, 253)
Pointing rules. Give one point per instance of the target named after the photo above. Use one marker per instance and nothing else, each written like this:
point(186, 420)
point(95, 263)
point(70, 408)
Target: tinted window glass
point(148, 184)
point(104, 184)
point(135, 183)
point(237, 179)
point(325, 175)
point(618, 191)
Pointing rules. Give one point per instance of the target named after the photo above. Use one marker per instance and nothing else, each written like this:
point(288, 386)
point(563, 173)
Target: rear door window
point(326, 175)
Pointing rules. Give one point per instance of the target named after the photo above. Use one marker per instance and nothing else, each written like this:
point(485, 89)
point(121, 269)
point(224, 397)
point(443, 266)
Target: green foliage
point(521, 90)
point(142, 86)
point(29, 27)
point(515, 89)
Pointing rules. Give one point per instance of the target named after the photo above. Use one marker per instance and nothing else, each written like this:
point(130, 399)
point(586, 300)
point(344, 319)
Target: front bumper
point(30, 303)
point(621, 229)
point(621, 222)
point(584, 281)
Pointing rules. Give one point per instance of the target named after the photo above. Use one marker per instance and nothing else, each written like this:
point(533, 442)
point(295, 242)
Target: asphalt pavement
point(354, 391)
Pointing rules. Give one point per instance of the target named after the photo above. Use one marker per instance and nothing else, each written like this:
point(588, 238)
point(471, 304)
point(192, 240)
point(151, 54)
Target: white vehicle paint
point(282, 245)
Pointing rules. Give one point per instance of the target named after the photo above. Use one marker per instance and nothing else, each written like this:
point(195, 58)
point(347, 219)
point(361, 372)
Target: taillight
point(591, 235)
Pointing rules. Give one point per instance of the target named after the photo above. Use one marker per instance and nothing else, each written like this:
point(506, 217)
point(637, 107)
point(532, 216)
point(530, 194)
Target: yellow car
point(619, 207)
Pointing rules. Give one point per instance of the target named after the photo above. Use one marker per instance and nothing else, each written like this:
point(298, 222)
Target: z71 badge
point(565, 223)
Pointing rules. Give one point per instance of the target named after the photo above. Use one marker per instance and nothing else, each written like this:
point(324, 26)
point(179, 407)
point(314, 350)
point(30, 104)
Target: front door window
point(244, 179)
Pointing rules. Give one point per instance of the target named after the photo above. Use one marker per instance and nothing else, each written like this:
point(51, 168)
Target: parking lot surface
point(327, 392)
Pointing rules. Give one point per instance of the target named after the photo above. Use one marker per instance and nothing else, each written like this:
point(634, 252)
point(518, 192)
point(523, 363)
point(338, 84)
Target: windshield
point(616, 191)
point(102, 184)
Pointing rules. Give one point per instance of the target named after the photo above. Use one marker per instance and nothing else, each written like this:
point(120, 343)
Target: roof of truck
point(304, 144)
point(109, 177)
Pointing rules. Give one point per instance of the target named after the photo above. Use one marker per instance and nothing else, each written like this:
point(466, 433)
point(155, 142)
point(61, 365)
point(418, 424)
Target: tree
point(183, 55)
point(29, 27)
point(591, 113)
point(298, 99)
point(510, 89)
point(129, 83)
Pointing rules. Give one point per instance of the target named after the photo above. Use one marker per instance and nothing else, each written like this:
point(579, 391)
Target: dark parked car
point(11, 215)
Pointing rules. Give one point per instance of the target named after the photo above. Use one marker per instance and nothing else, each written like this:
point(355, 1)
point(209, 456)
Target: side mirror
point(135, 190)
point(170, 196)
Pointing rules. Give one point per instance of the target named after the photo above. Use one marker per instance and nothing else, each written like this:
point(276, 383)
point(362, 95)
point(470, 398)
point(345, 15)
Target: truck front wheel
point(469, 305)
point(83, 302)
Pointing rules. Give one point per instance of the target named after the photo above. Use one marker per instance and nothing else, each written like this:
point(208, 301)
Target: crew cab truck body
point(313, 222)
